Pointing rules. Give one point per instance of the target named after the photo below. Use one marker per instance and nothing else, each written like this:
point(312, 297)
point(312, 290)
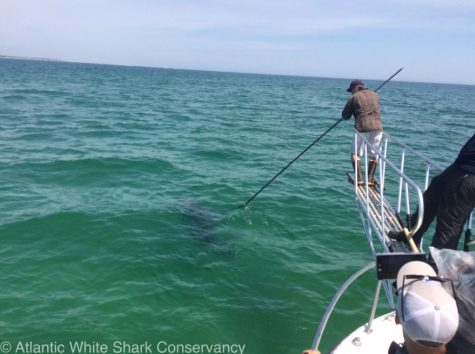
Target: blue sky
point(434, 40)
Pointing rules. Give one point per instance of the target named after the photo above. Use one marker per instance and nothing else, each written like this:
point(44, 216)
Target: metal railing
point(336, 297)
point(395, 187)
point(408, 193)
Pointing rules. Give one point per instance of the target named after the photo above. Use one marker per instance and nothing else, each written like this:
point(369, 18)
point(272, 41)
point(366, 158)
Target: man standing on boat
point(363, 104)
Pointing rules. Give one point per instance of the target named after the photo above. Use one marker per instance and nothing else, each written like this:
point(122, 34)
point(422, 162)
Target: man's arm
point(348, 110)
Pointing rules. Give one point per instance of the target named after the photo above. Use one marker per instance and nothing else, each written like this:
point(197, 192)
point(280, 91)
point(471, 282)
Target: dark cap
point(355, 83)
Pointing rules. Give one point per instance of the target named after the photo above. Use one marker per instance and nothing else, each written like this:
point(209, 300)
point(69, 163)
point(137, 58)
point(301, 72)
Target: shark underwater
point(202, 223)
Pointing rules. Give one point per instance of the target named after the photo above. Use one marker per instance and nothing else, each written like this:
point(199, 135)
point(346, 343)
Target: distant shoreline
point(27, 58)
point(207, 70)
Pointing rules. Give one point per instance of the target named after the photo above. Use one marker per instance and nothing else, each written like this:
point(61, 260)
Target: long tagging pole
point(308, 147)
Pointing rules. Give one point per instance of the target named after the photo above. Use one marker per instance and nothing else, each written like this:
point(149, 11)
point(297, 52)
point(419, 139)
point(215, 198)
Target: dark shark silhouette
point(202, 223)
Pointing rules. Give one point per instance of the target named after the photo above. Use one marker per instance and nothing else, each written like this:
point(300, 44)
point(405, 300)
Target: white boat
point(399, 193)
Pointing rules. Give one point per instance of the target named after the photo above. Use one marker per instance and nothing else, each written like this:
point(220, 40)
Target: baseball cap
point(428, 313)
point(355, 83)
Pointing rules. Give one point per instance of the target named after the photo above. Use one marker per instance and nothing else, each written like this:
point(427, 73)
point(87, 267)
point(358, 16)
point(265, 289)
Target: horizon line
point(15, 57)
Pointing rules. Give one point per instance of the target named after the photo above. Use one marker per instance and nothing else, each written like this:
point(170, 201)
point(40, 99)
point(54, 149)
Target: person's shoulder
point(367, 92)
point(362, 93)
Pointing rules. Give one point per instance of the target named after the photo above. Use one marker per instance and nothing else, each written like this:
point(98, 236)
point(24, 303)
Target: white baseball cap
point(427, 312)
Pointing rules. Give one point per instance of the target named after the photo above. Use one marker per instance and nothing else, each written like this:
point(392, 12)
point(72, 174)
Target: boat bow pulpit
point(402, 175)
point(387, 205)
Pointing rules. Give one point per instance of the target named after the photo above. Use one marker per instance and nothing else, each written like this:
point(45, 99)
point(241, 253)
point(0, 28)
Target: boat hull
point(383, 331)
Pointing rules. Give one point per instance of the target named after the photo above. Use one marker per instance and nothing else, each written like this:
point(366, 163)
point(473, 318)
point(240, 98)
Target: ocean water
point(120, 190)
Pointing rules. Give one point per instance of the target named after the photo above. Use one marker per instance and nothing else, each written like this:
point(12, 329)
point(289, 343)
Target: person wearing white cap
point(425, 309)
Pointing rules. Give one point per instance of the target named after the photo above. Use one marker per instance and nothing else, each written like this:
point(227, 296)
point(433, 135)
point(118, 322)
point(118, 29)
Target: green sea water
point(120, 190)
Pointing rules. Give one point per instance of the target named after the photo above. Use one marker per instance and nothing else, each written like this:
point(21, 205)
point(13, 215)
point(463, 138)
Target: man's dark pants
point(450, 198)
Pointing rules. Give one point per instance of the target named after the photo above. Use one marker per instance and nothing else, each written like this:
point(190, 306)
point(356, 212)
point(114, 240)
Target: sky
point(434, 40)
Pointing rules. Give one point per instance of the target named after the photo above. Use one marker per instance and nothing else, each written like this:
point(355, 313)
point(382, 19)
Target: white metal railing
point(394, 184)
point(468, 232)
point(395, 188)
point(409, 193)
point(336, 297)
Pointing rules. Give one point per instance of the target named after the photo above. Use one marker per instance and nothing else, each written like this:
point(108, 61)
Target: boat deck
point(377, 209)
point(377, 340)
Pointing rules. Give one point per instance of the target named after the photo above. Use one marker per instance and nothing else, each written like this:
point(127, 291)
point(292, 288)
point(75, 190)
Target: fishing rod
point(308, 147)
point(390, 78)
